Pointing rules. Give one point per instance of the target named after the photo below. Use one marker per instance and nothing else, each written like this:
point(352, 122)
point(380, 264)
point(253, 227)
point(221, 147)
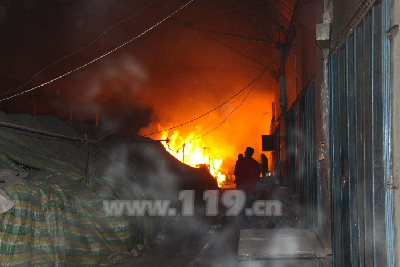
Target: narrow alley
point(238, 133)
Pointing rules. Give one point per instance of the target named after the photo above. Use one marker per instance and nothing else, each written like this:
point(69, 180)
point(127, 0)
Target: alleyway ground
point(193, 242)
point(208, 241)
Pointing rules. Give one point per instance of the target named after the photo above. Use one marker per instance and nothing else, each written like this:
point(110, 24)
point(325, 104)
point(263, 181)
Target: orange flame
point(192, 151)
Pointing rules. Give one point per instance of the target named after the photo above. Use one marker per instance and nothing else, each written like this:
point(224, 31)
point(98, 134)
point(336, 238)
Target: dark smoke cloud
point(170, 75)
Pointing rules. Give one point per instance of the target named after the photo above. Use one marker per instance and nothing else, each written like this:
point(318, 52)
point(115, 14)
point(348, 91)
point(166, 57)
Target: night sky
point(172, 73)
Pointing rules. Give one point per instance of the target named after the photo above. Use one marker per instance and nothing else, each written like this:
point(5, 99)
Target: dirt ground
point(207, 241)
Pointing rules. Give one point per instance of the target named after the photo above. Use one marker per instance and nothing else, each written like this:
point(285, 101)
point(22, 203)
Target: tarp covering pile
point(58, 218)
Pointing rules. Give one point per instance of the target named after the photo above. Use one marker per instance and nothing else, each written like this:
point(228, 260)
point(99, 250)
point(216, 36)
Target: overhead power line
point(237, 36)
point(79, 50)
point(202, 32)
point(100, 57)
point(223, 111)
point(210, 111)
point(230, 114)
point(92, 141)
point(210, 15)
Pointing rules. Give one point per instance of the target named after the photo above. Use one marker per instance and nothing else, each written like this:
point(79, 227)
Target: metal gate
point(362, 201)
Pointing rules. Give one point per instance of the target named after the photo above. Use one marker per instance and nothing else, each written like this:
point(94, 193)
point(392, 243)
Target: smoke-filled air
point(160, 78)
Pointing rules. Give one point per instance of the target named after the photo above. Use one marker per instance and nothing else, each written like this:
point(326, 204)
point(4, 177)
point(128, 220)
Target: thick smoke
point(168, 76)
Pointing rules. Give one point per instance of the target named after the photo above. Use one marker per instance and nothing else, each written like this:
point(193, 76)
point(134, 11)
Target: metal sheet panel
point(362, 223)
point(359, 83)
point(367, 133)
point(352, 222)
point(343, 161)
point(335, 158)
point(377, 136)
point(302, 155)
point(387, 136)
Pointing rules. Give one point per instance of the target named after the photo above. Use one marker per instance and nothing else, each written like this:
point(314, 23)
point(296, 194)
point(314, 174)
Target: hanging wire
point(210, 111)
point(100, 57)
point(222, 113)
point(79, 50)
point(230, 114)
point(91, 141)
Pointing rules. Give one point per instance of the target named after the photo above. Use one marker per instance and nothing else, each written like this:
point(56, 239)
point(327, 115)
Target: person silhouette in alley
point(247, 171)
point(240, 157)
point(264, 165)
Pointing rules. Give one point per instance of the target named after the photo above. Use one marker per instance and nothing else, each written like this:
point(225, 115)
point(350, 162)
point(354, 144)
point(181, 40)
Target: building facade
point(336, 115)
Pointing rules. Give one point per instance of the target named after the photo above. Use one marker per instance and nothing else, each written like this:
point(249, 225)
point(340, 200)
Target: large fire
point(192, 151)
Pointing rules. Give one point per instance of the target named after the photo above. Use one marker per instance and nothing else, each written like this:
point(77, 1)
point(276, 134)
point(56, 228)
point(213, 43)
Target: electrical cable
point(230, 9)
point(244, 100)
point(210, 111)
point(79, 50)
point(242, 53)
point(223, 112)
point(233, 62)
point(219, 116)
point(100, 57)
point(91, 141)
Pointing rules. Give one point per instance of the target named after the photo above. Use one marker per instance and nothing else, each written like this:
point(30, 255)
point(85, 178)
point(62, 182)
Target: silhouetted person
point(240, 157)
point(247, 171)
point(264, 165)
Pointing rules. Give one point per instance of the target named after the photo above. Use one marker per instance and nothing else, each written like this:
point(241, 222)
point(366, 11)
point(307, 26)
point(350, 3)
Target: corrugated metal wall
point(362, 201)
point(301, 155)
point(308, 157)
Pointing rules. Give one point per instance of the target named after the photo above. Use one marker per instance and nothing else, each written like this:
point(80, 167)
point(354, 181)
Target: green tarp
point(58, 219)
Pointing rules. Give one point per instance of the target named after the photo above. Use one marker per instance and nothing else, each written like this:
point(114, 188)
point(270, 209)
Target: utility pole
point(209, 159)
point(183, 152)
point(204, 151)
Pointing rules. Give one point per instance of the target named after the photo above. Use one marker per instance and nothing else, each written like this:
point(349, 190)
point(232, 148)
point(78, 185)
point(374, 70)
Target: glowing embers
point(192, 151)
